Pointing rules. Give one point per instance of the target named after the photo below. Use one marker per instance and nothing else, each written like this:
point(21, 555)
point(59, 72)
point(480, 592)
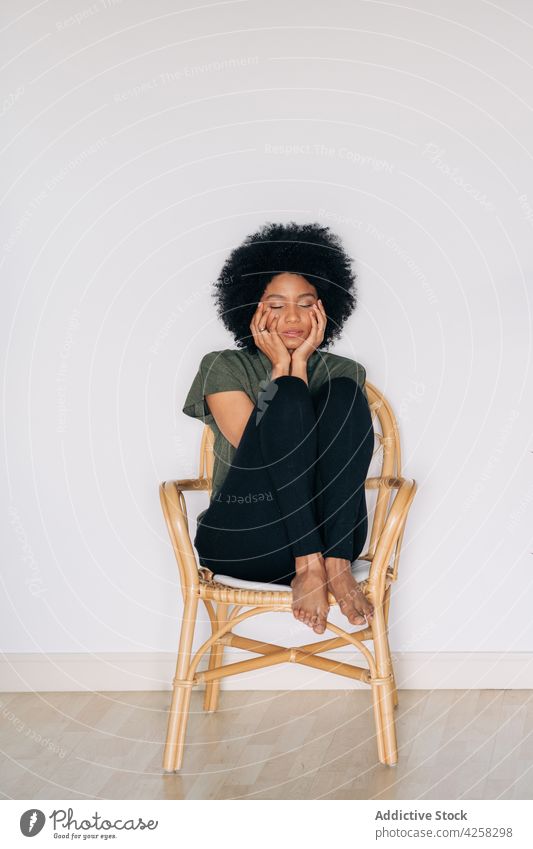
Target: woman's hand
point(301, 354)
point(269, 341)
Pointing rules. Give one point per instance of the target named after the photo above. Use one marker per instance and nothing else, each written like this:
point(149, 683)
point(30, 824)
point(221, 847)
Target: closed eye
point(305, 306)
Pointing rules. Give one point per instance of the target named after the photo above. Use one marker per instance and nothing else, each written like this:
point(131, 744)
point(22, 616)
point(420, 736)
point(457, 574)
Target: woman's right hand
point(269, 341)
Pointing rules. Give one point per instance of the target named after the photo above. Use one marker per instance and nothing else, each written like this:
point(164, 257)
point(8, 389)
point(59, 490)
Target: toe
point(356, 618)
point(353, 616)
point(359, 614)
point(368, 609)
point(365, 602)
point(363, 605)
point(320, 626)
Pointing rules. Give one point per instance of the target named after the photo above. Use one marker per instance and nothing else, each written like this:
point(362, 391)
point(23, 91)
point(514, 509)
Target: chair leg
point(181, 696)
point(376, 699)
point(383, 692)
point(212, 688)
point(386, 605)
point(394, 691)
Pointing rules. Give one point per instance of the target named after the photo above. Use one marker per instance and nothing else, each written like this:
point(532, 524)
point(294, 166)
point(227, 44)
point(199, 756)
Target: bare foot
point(309, 592)
point(349, 595)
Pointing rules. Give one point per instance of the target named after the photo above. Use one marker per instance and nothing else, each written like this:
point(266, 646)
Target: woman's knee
point(282, 393)
point(343, 389)
point(341, 402)
point(289, 384)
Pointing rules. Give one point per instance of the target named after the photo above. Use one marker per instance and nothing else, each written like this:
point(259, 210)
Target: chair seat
point(360, 570)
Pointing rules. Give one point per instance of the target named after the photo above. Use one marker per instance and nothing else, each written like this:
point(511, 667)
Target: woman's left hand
point(302, 353)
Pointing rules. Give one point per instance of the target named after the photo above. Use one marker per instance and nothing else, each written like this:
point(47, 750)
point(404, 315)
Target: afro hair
point(310, 250)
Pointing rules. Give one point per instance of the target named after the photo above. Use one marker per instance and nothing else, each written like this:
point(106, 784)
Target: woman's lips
point(293, 333)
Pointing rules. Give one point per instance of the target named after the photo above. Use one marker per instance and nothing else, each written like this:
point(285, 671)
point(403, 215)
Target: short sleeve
point(360, 374)
point(216, 373)
point(346, 367)
point(360, 377)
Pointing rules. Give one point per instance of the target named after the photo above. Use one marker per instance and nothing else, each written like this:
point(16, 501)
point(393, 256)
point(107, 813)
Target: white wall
point(140, 144)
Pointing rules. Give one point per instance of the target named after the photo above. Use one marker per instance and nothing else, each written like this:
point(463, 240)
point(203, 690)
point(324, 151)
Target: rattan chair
point(224, 597)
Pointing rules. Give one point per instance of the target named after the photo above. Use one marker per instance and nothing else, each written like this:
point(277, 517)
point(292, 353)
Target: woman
point(292, 425)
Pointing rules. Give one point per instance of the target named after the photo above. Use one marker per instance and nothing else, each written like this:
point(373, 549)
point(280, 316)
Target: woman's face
point(290, 296)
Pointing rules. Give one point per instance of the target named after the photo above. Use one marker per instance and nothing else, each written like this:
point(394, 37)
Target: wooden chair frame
point(197, 583)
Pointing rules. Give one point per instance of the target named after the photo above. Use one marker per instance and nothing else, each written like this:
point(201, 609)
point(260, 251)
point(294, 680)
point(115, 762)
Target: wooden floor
point(453, 744)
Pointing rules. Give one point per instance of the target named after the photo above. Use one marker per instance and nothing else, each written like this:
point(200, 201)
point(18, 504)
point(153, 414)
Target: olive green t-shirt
point(239, 369)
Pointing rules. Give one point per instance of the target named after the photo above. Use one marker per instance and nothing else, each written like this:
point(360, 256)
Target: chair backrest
point(385, 464)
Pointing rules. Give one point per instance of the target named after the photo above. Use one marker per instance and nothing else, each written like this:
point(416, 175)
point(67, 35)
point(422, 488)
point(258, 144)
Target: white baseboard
point(107, 671)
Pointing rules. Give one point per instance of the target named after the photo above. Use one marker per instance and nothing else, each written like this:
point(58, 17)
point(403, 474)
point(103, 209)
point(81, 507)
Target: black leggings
point(296, 483)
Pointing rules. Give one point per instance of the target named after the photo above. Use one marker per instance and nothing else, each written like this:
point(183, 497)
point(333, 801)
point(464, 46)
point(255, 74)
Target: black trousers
point(296, 483)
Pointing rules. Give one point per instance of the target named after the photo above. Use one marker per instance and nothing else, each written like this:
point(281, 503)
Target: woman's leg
point(345, 446)
point(263, 517)
point(290, 447)
point(346, 442)
point(288, 439)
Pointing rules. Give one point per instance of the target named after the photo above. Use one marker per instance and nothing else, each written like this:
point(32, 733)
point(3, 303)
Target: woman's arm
point(231, 411)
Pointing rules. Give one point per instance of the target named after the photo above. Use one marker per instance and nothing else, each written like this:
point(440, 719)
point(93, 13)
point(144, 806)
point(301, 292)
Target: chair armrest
point(392, 530)
point(386, 482)
point(174, 508)
point(191, 483)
